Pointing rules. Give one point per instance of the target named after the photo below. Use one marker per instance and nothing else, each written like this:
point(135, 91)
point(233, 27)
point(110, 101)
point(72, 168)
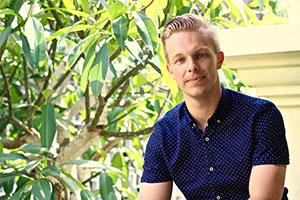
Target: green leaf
point(21, 182)
point(47, 93)
point(69, 4)
point(117, 9)
point(11, 156)
point(106, 187)
point(87, 65)
point(99, 70)
point(135, 50)
point(8, 11)
point(104, 4)
point(116, 111)
point(71, 182)
point(120, 29)
point(135, 155)
point(26, 51)
point(1, 147)
point(32, 165)
point(39, 51)
point(8, 185)
point(32, 148)
point(233, 10)
point(15, 6)
point(112, 196)
point(67, 30)
point(215, 4)
point(42, 189)
point(51, 170)
point(75, 162)
point(81, 47)
point(73, 12)
point(87, 195)
point(96, 87)
point(147, 30)
point(225, 22)
point(85, 5)
point(251, 15)
point(48, 128)
point(4, 35)
point(118, 161)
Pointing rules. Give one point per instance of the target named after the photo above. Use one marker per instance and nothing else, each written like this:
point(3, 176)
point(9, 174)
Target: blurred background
point(83, 82)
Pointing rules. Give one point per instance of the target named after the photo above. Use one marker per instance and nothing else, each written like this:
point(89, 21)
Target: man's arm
point(267, 182)
point(156, 191)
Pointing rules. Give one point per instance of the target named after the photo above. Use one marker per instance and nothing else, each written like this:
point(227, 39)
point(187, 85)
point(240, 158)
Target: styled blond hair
point(188, 22)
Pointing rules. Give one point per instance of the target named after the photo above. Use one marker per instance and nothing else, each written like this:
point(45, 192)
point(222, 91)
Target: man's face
point(193, 64)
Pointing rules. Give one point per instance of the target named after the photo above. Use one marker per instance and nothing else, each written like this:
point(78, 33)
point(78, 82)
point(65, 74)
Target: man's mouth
point(196, 79)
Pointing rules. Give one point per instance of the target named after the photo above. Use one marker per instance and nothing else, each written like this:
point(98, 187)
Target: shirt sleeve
point(155, 168)
point(270, 141)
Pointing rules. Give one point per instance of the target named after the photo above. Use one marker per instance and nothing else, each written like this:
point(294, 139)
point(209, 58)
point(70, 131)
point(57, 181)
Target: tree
point(82, 78)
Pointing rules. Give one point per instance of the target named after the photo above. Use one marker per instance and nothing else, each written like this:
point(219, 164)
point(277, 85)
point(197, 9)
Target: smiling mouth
point(196, 79)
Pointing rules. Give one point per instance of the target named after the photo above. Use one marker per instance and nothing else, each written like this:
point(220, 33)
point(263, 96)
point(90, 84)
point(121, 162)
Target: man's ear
point(220, 59)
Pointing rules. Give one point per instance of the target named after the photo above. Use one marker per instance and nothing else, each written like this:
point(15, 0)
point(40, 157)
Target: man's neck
point(203, 108)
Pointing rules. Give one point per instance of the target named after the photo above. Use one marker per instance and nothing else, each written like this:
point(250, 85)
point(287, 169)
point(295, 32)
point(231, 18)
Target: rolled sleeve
point(270, 140)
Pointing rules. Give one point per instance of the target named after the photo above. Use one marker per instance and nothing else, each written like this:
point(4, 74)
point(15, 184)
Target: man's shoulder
point(249, 103)
point(172, 116)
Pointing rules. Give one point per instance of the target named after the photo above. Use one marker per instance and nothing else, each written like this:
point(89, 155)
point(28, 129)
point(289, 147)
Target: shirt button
point(211, 169)
point(193, 126)
point(207, 139)
point(218, 197)
point(218, 121)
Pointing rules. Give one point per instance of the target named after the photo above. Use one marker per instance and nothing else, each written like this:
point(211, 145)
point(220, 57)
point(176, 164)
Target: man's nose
point(193, 65)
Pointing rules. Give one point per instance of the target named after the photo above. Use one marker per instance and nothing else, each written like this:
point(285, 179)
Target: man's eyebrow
point(202, 49)
point(177, 55)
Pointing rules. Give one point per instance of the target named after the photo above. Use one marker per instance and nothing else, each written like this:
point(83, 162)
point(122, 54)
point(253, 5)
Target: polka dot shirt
point(243, 131)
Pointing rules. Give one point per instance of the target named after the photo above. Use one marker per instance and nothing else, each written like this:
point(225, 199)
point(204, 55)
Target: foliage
point(83, 82)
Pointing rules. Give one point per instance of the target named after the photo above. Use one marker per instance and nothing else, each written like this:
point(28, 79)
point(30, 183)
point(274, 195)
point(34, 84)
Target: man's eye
point(179, 60)
point(203, 55)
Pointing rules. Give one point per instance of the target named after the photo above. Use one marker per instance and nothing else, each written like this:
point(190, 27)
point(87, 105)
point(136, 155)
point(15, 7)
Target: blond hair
point(188, 22)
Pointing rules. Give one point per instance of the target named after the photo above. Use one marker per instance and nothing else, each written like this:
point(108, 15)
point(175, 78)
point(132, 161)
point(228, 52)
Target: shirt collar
point(218, 116)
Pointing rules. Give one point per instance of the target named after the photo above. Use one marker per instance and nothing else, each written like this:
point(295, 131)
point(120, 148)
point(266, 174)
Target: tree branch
point(87, 103)
point(40, 100)
point(55, 15)
point(2, 49)
point(115, 54)
point(126, 134)
point(10, 109)
point(7, 89)
point(111, 144)
point(23, 139)
point(99, 110)
point(123, 79)
point(102, 101)
point(144, 8)
point(122, 93)
point(27, 92)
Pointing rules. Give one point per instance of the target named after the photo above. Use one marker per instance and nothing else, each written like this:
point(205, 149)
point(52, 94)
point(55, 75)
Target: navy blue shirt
point(243, 131)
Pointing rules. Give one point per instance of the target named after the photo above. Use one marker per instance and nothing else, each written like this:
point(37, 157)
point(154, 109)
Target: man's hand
point(267, 182)
point(156, 191)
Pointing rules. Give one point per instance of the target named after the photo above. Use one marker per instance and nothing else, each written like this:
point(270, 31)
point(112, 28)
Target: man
point(217, 144)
